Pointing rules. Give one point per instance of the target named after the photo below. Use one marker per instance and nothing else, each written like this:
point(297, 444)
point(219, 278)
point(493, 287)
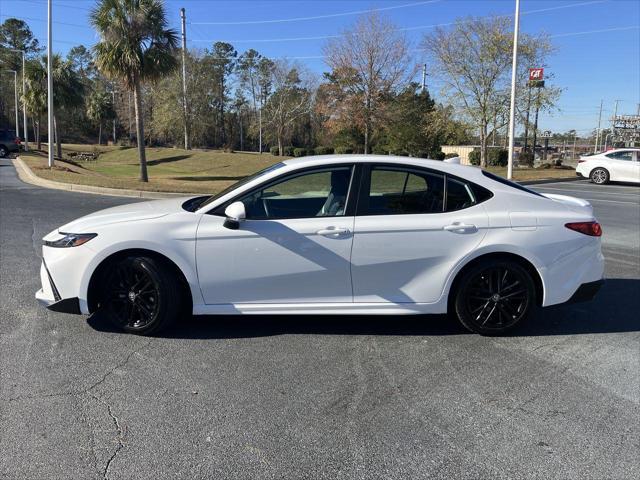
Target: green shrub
point(436, 156)
point(323, 150)
point(526, 158)
point(380, 150)
point(497, 157)
point(274, 151)
point(343, 150)
point(287, 151)
point(474, 157)
point(299, 152)
point(451, 155)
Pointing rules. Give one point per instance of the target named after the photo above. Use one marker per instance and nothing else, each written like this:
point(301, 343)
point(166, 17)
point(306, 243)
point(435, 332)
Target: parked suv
point(8, 142)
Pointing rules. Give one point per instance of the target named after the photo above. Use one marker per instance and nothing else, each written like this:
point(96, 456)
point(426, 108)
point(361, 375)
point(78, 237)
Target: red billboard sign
point(536, 74)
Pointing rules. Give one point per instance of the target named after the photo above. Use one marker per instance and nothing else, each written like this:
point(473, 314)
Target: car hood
point(124, 213)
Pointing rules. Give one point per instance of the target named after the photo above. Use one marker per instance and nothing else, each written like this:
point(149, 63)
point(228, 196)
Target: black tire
point(3, 151)
point(494, 296)
point(140, 295)
point(599, 176)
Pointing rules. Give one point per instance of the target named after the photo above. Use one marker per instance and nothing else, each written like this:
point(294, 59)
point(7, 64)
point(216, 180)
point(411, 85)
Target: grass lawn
point(177, 170)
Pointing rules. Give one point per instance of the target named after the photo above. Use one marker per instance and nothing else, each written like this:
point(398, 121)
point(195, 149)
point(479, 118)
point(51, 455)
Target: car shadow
point(614, 310)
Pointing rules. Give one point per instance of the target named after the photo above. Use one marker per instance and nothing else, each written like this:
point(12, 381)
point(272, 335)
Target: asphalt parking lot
point(317, 397)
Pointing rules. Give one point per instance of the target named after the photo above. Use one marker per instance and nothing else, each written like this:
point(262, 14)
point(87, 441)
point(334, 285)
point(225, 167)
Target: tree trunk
point(137, 100)
point(483, 146)
point(36, 133)
point(526, 122)
point(100, 133)
point(280, 147)
point(367, 125)
point(58, 142)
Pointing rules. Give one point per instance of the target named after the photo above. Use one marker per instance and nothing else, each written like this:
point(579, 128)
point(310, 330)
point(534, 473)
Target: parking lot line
point(604, 192)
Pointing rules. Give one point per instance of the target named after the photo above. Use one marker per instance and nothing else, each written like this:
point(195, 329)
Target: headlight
point(70, 240)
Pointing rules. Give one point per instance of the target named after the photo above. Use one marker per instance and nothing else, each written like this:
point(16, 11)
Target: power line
point(317, 17)
point(404, 29)
point(45, 21)
point(586, 32)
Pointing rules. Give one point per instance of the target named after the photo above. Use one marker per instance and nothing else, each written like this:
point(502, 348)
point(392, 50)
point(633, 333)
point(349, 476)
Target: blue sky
point(598, 41)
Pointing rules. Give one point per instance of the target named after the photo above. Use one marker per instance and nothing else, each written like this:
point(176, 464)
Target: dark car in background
point(9, 142)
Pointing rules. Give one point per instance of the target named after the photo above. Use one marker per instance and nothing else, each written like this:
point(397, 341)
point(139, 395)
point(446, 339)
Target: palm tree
point(67, 92)
point(135, 47)
point(99, 109)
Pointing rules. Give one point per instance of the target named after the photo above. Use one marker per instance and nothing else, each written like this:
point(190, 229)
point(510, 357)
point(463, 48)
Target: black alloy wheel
point(493, 297)
point(140, 295)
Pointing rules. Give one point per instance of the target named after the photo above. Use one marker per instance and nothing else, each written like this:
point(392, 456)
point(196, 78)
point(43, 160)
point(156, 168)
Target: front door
point(410, 232)
point(294, 246)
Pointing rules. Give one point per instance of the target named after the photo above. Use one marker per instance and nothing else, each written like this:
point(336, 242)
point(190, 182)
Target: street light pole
point(183, 17)
point(24, 104)
point(49, 83)
point(512, 111)
point(15, 98)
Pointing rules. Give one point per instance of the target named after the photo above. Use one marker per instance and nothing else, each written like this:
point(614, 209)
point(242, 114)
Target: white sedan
point(331, 235)
point(619, 165)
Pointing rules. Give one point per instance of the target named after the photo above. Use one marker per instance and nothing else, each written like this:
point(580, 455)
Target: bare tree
point(291, 99)
point(472, 59)
point(369, 61)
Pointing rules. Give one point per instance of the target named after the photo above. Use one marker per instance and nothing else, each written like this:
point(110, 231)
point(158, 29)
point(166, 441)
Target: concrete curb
point(26, 175)
point(551, 180)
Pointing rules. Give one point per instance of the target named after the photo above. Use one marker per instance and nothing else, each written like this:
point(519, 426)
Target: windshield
point(239, 183)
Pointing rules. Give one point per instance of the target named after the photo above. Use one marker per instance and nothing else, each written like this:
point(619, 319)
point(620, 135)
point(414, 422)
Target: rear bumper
point(586, 292)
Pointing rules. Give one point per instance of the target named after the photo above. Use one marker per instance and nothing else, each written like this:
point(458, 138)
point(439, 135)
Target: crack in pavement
point(121, 432)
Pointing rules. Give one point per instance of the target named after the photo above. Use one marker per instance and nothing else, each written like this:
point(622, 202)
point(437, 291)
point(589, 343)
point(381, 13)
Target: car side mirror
point(235, 214)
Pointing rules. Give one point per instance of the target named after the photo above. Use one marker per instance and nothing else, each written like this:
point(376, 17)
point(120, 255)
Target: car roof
point(467, 171)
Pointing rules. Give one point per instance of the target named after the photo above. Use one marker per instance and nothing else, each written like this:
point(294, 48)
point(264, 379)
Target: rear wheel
point(494, 296)
point(139, 295)
point(3, 151)
point(599, 176)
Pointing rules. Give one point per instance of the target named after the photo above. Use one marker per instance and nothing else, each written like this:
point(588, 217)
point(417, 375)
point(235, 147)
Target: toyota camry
point(331, 235)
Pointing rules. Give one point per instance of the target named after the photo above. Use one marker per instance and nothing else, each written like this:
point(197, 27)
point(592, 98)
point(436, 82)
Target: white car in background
point(331, 235)
point(619, 165)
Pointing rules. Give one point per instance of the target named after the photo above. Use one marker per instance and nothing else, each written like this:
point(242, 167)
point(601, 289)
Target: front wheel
point(3, 151)
point(494, 296)
point(139, 295)
point(599, 176)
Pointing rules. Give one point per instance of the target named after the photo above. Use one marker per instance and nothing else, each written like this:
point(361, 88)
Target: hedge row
point(291, 151)
point(495, 157)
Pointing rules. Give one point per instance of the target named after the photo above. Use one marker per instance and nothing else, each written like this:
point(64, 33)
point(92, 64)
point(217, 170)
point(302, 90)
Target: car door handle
point(460, 227)
point(333, 231)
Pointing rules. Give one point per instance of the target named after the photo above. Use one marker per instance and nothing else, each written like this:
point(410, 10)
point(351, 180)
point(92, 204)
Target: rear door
point(623, 168)
point(412, 227)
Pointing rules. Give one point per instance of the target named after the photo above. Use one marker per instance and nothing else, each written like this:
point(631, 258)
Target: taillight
point(17, 141)
point(588, 228)
point(581, 161)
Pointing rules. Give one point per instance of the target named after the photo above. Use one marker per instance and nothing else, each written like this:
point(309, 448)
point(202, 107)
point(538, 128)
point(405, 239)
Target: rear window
point(7, 134)
point(509, 183)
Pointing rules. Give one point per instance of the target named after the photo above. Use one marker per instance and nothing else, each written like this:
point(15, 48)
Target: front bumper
point(49, 296)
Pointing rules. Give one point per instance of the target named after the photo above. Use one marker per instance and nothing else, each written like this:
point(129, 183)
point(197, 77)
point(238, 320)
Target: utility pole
point(595, 148)
point(24, 108)
point(183, 17)
point(512, 111)
point(424, 78)
point(49, 84)
point(575, 135)
point(613, 123)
